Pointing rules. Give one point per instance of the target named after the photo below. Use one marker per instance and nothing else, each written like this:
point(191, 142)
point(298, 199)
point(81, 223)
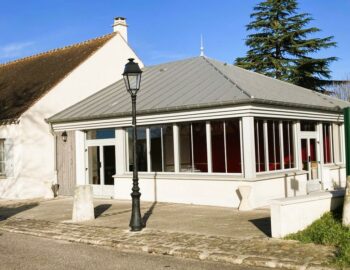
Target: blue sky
point(159, 31)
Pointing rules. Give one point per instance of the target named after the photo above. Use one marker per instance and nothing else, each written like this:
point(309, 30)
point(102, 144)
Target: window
point(288, 144)
point(273, 142)
point(100, 134)
point(141, 149)
point(2, 157)
point(218, 146)
point(193, 150)
point(274, 145)
point(308, 126)
point(162, 148)
point(192, 143)
point(226, 146)
point(327, 143)
point(259, 146)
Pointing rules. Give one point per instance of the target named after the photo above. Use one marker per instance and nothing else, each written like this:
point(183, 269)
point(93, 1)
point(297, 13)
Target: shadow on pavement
point(263, 224)
point(148, 214)
point(7, 212)
point(100, 209)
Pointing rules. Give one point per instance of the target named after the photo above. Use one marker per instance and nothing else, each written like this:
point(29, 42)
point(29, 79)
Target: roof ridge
point(5, 64)
point(227, 78)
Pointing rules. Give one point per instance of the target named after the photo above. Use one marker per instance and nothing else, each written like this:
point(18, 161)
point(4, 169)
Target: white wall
point(217, 190)
point(294, 214)
point(35, 155)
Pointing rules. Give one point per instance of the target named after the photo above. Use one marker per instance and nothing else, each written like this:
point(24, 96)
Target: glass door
point(309, 157)
point(101, 168)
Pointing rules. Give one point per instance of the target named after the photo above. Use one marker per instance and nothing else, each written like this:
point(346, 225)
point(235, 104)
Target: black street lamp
point(132, 79)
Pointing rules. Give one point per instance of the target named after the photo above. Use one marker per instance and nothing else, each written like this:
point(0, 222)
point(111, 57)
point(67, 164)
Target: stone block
point(83, 205)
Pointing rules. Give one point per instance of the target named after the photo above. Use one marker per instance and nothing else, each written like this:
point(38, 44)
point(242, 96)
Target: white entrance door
point(310, 159)
point(101, 168)
point(309, 155)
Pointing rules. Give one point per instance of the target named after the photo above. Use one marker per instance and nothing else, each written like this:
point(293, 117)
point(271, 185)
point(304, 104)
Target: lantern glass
point(132, 77)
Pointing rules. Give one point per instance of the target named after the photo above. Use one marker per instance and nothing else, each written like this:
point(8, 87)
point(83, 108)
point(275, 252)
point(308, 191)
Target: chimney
point(121, 27)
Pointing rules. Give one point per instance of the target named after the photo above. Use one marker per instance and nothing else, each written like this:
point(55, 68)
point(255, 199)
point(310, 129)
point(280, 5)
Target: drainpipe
point(346, 208)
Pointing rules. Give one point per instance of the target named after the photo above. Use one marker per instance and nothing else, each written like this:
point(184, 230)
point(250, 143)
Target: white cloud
point(13, 50)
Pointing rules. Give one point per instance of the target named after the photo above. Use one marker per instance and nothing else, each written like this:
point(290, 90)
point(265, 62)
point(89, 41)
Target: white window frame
point(281, 140)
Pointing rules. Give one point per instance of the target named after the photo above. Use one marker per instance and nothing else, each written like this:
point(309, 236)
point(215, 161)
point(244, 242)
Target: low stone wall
point(291, 215)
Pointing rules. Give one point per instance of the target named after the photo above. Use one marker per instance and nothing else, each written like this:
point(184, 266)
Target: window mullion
point(192, 152)
point(266, 150)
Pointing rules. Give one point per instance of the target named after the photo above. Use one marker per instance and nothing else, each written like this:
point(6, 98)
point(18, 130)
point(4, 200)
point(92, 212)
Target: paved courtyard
point(188, 231)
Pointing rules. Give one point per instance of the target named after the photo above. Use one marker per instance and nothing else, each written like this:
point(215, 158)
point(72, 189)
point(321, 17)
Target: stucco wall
point(211, 190)
point(34, 142)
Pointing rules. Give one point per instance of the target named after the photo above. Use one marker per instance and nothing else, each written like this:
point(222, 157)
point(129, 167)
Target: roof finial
point(202, 47)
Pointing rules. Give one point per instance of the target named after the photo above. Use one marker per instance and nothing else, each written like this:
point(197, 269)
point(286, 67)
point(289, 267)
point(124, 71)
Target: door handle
point(309, 158)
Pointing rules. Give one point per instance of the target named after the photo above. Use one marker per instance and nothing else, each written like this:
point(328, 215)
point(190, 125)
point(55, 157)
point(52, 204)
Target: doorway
point(309, 154)
point(101, 168)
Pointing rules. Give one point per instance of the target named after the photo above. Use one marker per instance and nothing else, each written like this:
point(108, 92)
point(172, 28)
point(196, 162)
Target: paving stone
point(254, 252)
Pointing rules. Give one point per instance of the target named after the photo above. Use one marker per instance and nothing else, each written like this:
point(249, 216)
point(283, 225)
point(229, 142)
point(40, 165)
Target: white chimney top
point(121, 27)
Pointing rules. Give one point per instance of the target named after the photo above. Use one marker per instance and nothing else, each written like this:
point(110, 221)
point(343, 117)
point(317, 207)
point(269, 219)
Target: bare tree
point(341, 89)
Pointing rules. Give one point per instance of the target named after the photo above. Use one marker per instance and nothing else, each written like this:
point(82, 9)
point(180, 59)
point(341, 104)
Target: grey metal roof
point(194, 83)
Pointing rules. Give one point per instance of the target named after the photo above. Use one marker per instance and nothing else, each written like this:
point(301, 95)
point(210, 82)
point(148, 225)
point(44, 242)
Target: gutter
point(336, 109)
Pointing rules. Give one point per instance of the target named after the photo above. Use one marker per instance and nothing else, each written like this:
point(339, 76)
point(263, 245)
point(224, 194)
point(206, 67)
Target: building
point(36, 87)
point(206, 129)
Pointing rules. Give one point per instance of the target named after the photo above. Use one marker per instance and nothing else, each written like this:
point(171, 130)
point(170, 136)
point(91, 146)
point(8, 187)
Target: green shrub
point(328, 230)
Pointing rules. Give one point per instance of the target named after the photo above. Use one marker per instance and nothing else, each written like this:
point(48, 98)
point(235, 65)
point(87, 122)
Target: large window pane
point(233, 146)
point(199, 147)
point(273, 143)
point(94, 160)
point(308, 126)
point(327, 148)
point(218, 146)
point(109, 164)
point(108, 133)
point(141, 149)
point(288, 144)
point(259, 146)
point(168, 148)
point(185, 147)
point(156, 149)
point(193, 150)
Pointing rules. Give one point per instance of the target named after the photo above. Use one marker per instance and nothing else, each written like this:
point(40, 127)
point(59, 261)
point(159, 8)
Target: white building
point(36, 87)
point(205, 129)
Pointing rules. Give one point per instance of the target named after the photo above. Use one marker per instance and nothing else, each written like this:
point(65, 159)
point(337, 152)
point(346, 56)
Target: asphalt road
point(19, 251)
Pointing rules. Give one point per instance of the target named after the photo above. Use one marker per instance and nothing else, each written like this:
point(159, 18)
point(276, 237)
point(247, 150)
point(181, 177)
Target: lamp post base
point(136, 220)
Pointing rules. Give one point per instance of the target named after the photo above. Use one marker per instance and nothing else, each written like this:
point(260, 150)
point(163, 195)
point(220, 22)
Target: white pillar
point(80, 158)
point(148, 143)
point(342, 139)
point(208, 133)
point(336, 143)
point(297, 147)
point(176, 148)
point(248, 147)
point(120, 151)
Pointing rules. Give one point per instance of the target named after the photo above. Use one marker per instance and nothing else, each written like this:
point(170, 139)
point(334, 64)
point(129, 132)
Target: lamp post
point(132, 79)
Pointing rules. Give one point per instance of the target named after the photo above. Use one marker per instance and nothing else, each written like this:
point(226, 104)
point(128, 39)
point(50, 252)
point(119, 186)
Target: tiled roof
point(24, 81)
point(195, 83)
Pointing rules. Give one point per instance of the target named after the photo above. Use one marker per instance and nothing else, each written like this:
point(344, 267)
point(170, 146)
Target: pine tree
point(280, 46)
